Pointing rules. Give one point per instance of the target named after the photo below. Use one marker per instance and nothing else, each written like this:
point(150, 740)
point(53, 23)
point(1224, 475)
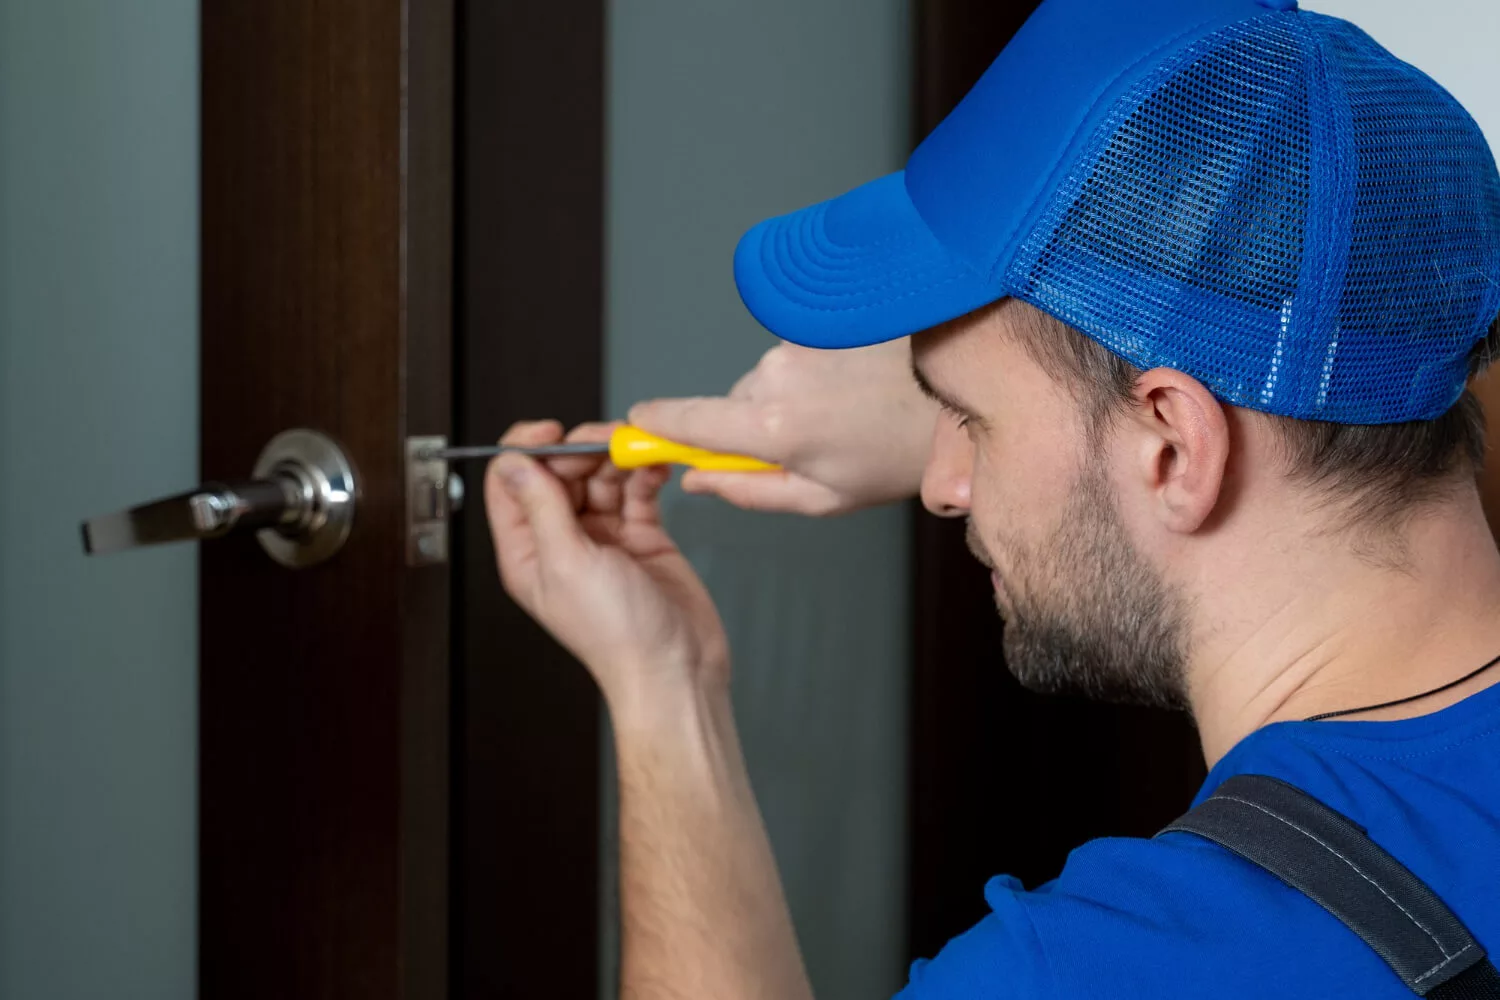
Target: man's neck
point(1314, 628)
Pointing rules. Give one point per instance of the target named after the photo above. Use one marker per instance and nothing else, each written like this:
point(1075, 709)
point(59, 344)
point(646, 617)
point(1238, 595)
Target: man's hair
point(1376, 474)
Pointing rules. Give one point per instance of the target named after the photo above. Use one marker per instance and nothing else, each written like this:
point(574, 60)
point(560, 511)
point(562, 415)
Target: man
point(1198, 285)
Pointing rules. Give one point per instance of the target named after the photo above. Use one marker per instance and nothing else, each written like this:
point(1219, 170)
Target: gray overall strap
point(1327, 857)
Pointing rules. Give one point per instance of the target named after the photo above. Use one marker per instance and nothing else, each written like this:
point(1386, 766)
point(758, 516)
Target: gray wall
point(1456, 42)
point(721, 113)
point(98, 408)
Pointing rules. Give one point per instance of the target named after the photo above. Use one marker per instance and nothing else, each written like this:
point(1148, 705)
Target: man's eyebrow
point(941, 398)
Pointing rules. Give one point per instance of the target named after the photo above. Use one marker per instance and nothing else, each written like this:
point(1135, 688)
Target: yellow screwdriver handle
point(632, 448)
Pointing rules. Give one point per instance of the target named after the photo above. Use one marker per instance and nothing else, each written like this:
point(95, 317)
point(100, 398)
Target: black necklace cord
point(1402, 701)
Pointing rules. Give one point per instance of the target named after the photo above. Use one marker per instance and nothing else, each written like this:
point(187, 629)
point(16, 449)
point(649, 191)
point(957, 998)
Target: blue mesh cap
point(1261, 197)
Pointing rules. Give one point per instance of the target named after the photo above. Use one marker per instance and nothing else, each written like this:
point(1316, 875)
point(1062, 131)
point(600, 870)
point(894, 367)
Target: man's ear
point(1183, 446)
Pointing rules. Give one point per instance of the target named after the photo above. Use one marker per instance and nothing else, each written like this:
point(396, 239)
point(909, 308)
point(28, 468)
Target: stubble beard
point(1087, 614)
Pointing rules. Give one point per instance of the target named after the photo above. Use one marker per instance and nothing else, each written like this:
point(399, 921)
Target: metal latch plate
point(427, 504)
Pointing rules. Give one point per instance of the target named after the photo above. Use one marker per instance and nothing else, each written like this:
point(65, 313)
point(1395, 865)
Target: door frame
point(529, 337)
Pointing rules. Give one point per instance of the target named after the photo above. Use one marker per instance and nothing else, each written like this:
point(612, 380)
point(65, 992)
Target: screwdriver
point(628, 447)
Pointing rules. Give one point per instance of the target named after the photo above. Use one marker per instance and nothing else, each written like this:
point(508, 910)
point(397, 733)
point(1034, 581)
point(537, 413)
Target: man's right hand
point(850, 428)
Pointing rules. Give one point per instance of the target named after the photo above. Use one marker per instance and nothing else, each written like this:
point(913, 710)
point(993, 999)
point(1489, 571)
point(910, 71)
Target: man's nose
point(946, 480)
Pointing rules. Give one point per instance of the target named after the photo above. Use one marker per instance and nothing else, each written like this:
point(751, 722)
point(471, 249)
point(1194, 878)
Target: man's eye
point(959, 417)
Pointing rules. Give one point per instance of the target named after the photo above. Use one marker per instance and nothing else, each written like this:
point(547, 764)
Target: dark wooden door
point(326, 282)
point(1003, 780)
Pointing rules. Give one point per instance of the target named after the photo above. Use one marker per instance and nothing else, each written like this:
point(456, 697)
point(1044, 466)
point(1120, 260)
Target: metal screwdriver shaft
point(491, 450)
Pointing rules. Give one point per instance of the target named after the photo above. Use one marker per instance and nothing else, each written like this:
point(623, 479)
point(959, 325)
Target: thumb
point(548, 509)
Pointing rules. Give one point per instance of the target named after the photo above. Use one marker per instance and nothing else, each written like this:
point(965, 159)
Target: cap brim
point(858, 270)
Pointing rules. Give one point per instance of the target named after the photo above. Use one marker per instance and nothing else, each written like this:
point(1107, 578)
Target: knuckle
point(592, 431)
point(532, 432)
point(744, 386)
point(660, 415)
point(776, 361)
point(771, 419)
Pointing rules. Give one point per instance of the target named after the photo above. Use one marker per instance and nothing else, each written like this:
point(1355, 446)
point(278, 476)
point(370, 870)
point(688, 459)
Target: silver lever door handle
point(301, 502)
point(212, 510)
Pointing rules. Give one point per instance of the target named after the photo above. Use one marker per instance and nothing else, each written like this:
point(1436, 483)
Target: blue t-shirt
point(1179, 917)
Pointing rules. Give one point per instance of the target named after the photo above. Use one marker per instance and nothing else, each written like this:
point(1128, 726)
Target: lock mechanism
point(433, 492)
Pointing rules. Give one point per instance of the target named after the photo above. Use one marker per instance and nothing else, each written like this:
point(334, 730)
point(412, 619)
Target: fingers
point(737, 426)
point(531, 513)
point(530, 433)
point(782, 493)
point(640, 503)
point(508, 523)
point(573, 471)
point(601, 490)
point(515, 544)
point(556, 533)
point(582, 466)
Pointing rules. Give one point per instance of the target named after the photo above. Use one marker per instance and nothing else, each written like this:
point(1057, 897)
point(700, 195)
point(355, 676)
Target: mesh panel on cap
point(1422, 252)
point(1209, 227)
